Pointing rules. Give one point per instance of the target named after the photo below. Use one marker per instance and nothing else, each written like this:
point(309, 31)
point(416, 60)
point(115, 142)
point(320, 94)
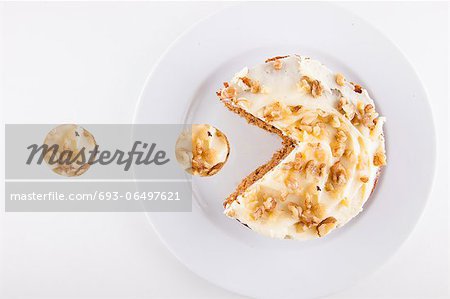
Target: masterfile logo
point(70, 150)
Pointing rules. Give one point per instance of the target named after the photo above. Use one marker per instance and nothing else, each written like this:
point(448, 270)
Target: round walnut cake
point(333, 148)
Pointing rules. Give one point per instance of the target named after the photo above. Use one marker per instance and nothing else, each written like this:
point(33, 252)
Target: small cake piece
point(333, 148)
point(202, 150)
point(69, 140)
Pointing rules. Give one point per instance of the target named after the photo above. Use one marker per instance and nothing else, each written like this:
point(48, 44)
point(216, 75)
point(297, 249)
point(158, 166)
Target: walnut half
point(314, 87)
point(338, 175)
point(340, 79)
point(325, 226)
point(379, 159)
point(254, 85)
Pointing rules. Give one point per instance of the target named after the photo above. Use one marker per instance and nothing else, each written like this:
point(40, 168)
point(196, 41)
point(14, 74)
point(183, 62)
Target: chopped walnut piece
point(341, 137)
point(308, 219)
point(321, 168)
point(348, 153)
point(307, 129)
point(308, 211)
point(314, 168)
point(367, 116)
point(295, 209)
point(229, 92)
point(334, 121)
point(338, 175)
point(292, 183)
point(379, 159)
point(255, 88)
point(305, 85)
point(230, 213)
point(325, 226)
point(296, 164)
point(269, 204)
point(360, 107)
point(364, 179)
point(340, 79)
point(295, 109)
point(337, 148)
point(277, 64)
point(346, 108)
point(314, 87)
point(254, 85)
point(310, 166)
point(357, 88)
point(322, 113)
point(308, 118)
point(257, 213)
point(329, 186)
point(369, 108)
point(274, 111)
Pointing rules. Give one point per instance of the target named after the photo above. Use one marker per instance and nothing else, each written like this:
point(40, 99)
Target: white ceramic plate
point(181, 89)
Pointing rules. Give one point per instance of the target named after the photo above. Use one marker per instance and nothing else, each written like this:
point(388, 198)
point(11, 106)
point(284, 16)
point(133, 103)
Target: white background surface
point(87, 63)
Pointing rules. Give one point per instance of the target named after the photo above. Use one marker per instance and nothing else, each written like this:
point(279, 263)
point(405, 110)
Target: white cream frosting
point(274, 92)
